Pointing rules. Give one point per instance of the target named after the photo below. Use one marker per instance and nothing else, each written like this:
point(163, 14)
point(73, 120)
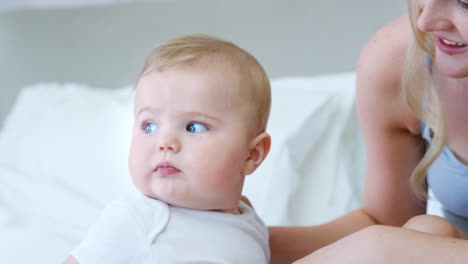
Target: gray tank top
point(447, 177)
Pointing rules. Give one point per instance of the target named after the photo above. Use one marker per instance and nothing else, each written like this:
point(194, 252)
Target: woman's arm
point(291, 243)
point(393, 143)
point(393, 148)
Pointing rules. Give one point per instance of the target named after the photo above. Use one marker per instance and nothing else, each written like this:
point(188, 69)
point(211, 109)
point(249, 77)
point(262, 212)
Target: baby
point(201, 112)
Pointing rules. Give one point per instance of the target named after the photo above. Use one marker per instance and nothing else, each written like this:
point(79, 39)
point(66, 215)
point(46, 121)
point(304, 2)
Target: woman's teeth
point(448, 42)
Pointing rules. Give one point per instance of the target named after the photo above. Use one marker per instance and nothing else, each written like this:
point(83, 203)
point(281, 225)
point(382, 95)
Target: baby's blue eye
point(151, 128)
point(196, 128)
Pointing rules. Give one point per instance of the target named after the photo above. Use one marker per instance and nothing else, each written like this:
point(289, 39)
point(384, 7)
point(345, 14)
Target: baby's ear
point(259, 148)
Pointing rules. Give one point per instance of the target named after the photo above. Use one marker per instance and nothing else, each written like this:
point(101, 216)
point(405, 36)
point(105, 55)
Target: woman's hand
point(246, 200)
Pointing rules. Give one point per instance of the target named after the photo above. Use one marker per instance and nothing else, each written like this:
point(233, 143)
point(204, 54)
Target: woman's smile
point(450, 47)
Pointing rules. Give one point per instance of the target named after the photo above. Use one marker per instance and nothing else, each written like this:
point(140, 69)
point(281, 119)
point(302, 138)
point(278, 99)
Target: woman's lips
point(166, 169)
point(450, 47)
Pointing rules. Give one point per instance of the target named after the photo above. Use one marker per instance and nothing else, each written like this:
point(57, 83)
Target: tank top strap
point(428, 60)
point(426, 132)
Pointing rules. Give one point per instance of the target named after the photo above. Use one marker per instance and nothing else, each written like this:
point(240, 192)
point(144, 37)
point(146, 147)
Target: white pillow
point(71, 136)
point(76, 138)
point(63, 156)
point(315, 168)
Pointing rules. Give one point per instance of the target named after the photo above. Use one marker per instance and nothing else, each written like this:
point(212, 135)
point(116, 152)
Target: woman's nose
point(434, 16)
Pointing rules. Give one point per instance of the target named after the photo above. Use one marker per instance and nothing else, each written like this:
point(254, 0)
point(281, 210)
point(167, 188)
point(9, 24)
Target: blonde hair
point(421, 95)
point(198, 49)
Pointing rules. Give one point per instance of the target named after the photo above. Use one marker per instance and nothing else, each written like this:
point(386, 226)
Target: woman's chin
point(452, 66)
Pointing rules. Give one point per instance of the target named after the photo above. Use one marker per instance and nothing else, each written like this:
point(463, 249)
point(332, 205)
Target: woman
point(412, 101)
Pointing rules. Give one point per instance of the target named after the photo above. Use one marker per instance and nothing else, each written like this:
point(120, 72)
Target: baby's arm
point(71, 260)
point(434, 225)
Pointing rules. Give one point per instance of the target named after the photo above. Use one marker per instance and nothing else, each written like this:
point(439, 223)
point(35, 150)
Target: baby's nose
point(169, 143)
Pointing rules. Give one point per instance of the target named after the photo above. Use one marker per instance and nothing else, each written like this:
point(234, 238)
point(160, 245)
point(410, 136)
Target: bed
point(66, 80)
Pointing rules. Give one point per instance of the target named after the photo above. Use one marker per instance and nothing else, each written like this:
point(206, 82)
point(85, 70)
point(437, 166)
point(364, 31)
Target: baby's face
point(191, 137)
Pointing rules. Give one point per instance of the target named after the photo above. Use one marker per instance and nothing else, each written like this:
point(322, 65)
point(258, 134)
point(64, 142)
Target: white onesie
point(145, 230)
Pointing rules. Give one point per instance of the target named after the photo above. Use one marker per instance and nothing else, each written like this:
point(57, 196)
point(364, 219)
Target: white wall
point(105, 46)
point(8, 5)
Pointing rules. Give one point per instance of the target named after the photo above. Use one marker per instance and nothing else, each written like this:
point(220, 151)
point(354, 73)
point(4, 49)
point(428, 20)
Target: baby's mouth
point(166, 169)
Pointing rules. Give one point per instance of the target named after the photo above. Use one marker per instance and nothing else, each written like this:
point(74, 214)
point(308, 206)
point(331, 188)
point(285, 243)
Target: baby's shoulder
point(149, 215)
point(146, 214)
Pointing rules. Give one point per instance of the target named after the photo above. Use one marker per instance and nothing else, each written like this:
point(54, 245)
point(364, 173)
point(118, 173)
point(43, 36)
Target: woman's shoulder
point(379, 75)
point(382, 58)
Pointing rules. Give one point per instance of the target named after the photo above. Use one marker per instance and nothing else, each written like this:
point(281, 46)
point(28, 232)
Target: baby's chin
point(187, 199)
point(191, 204)
point(235, 211)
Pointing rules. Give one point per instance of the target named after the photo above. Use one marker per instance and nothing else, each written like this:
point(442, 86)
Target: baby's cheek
point(133, 162)
point(218, 165)
point(222, 178)
point(137, 161)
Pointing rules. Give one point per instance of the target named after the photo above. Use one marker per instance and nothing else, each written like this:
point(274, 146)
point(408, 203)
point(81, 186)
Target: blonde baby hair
point(198, 49)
